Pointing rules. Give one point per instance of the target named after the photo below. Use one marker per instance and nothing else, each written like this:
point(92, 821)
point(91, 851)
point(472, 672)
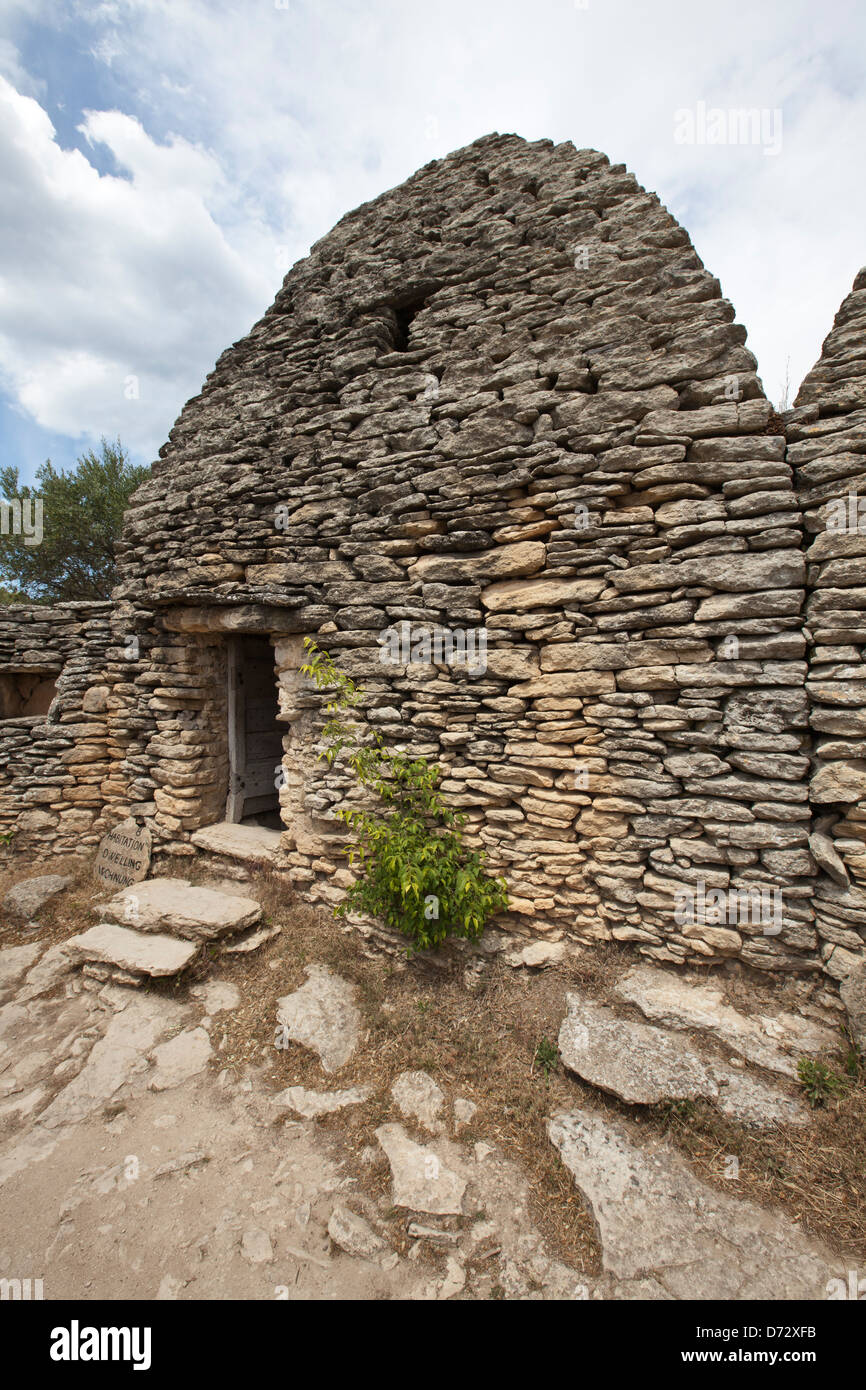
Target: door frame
point(237, 733)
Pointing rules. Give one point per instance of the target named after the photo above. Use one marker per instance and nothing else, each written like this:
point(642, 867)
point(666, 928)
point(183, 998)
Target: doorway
point(255, 736)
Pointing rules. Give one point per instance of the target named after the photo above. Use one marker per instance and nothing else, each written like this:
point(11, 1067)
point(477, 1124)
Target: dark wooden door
point(255, 737)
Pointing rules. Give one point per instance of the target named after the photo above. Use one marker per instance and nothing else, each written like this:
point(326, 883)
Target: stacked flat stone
point(827, 434)
point(53, 767)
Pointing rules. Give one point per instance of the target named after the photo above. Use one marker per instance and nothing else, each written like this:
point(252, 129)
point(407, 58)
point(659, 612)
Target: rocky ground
point(203, 1099)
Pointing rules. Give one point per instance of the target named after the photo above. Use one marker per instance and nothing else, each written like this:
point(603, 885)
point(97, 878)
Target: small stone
point(181, 1057)
point(249, 941)
point(431, 1234)
point(419, 1098)
point(311, 1104)
point(421, 1181)
point(537, 954)
point(354, 1235)
point(464, 1113)
point(256, 1246)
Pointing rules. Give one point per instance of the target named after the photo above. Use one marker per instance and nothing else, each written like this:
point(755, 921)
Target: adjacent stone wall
point(53, 767)
point(827, 430)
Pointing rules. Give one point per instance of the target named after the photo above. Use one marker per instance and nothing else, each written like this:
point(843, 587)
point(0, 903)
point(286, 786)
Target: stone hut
point(499, 445)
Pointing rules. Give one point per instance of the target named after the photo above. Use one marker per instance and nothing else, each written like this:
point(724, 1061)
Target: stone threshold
point(248, 844)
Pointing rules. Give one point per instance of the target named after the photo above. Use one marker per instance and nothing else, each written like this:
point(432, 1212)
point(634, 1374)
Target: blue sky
point(163, 161)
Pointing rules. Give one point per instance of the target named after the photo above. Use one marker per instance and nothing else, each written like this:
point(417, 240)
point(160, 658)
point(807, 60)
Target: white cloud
point(287, 118)
point(106, 278)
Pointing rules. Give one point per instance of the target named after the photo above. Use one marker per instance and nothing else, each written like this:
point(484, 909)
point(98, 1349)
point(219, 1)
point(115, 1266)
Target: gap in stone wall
point(26, 693)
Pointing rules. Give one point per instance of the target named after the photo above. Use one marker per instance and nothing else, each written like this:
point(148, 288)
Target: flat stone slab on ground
point(27, 898)
point(178, 906)
point(254, 844)
point(421, 1181)
point(311, 1104)
point(181, 1057)
point(643, 1064)
point(656, 1217)
point(354, 1235)
point(775, 1042)
point(151, 954)
point(419, 1098)
point(753, 1102)
point(119, 1055)
point(638, 1063)
point(15, 961)
point(322, 1015)
point(218, 996)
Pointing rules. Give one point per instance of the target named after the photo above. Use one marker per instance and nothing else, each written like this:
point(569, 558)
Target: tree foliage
point(82, 517)
point(413, 869)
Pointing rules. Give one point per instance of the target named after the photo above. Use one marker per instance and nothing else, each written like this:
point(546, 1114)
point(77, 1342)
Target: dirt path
point(154, 1141)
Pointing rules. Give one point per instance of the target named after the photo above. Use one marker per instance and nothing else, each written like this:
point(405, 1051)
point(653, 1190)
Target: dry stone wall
point(53, 765)
point(499, 444)
point(827, 448)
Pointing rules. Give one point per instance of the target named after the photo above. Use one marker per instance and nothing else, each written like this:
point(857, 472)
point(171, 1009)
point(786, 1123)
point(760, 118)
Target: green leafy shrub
point(818, 1081)
point(413, 869)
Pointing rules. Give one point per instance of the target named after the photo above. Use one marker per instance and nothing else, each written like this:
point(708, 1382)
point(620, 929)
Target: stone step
point(128, 950)
point(251, 844)
point(182, 908)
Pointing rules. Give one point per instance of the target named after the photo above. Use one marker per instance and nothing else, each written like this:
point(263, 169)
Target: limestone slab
point(421, 1180)
point(322, 1015)
point(354, 1235)
point(772, 1041)
point(419, 1098)
point(183, 1056)
point(178, 906)
point(151, 954)
point(252, 844)
point(26, 899)
point(654, 1215)
point(635, 1061)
